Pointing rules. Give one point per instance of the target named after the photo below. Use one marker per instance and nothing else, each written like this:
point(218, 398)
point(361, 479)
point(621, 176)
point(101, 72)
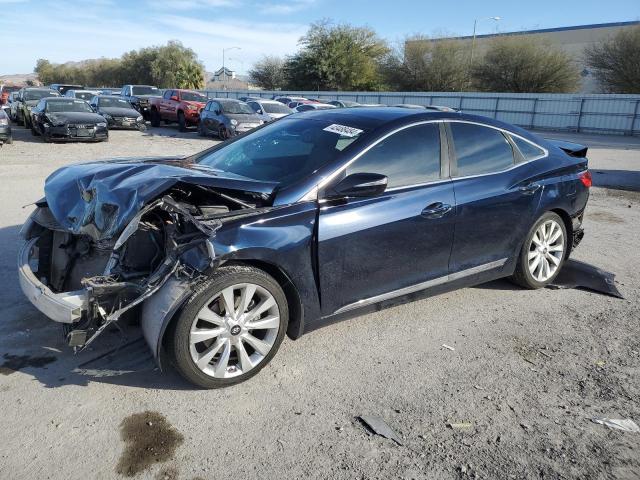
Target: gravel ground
point(528, 371)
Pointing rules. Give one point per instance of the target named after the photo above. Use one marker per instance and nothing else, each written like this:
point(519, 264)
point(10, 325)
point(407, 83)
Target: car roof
point(393, 117)
point(63, 99)
point(115, 97)
point(222, 99)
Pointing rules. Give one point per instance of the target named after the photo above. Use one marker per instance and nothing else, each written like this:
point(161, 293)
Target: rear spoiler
point(571, 149)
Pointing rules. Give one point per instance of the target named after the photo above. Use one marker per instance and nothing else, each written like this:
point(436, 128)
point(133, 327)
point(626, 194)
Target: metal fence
point(605, 114)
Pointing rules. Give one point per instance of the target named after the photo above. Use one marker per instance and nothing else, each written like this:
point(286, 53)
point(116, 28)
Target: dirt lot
point(528, 371)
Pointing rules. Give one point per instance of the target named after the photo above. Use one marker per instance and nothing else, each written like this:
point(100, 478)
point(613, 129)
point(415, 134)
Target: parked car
point(409, 105)
point(5, 128)
point(269, 110)
point(305, 107)
point(139, 96)
point(248, 99)
point(226, 118)
point(297, 103)
point(62, 88)
point(13, 105)
point(117, 112)
point(441, 108)
point(110, 91)
point(81, 94)
point(343, 103)
point(27, 99)
point(288, 100)
point(182, 106)
point(65, 119)
point(312, 219)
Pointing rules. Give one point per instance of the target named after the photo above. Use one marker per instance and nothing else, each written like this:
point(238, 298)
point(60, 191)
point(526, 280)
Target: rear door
point(496, 197)
point(369, 248)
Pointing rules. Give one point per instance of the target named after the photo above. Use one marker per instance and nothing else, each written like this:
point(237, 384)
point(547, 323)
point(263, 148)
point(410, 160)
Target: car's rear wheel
point(230, 328)
point(34, 132)
point(182, 122)
point(155, 118)
point(543, 252)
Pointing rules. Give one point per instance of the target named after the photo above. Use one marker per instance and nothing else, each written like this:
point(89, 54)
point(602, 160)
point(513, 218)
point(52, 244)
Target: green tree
point(336, 57)
point(616, 62)
point(523, 65)
point(190, 75)
point(424, 64)
point(269, 73)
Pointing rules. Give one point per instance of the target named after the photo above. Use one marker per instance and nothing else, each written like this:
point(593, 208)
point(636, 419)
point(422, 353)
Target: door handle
point(436, 210)
point(530, 189)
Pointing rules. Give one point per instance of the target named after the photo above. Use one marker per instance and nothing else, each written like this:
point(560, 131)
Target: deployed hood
point(119, 111)
point(100, 198)
point(60, 118)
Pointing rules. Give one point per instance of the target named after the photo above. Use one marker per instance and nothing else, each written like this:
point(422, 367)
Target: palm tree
point(190, 75)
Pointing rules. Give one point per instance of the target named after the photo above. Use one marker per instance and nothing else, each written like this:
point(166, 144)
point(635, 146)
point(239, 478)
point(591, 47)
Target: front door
point(373, 247)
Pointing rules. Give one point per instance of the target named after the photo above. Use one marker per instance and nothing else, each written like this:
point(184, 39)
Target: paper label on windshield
point(343, 130)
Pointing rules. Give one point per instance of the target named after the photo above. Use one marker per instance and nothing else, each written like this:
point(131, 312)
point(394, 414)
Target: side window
point(214, 107)
point(254, 106)
point(528, 150)
point(167, 95)
point(480, 149)
point(408, 157)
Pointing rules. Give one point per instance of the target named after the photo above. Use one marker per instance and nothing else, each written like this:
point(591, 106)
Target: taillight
point(585, 178)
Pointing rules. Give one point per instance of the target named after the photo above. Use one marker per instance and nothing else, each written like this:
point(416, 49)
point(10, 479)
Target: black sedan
point(118, 112)
point(67, 120)
point(314, 218)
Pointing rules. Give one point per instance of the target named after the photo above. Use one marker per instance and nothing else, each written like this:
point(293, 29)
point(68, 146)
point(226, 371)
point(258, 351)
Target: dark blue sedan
point(311, 219)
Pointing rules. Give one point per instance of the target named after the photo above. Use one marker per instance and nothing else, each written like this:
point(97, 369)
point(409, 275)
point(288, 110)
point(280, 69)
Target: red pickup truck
point(182, 106)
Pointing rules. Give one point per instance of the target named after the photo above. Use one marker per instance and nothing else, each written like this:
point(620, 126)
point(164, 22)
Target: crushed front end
point(87, 282)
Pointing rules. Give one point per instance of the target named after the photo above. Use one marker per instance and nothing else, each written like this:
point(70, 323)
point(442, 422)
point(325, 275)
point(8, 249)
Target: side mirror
point(359, 185)
point(259, 111)
point(217, 112)
point(174, 98)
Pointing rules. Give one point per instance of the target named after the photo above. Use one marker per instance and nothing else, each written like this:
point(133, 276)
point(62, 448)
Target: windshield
point(275, 108)
point(85, 95)
point(236, 108)
point(145, 90)
point(114, 102)
point(285, 151)
point(193, 97)
point(38, 94)
point(68, 106)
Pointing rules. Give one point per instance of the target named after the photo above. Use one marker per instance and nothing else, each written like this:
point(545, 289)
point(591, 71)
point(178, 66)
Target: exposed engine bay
point(169, 236)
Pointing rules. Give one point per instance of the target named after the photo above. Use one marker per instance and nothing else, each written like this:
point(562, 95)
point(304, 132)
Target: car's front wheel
point(230, 328)
point(543, 252)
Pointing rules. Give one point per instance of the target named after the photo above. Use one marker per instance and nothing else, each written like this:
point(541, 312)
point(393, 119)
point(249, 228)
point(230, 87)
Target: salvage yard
point(482, 382)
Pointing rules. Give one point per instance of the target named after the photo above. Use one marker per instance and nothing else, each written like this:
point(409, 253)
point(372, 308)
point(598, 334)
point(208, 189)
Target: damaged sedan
point(316, 218)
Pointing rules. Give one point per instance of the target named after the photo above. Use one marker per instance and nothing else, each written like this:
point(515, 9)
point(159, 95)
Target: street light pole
point(224, 71)
point(475, 24)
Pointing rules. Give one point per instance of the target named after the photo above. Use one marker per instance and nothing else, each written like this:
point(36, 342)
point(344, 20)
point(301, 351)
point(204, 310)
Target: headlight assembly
point(234, 122)
point(139, 119)
point(101, 124)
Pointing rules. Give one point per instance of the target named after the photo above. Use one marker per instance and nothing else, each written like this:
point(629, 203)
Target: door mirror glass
point(358, 185)
point(217, 112)
point(174, 98)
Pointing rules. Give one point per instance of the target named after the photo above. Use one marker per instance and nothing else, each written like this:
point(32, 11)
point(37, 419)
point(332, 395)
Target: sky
point(73, 30)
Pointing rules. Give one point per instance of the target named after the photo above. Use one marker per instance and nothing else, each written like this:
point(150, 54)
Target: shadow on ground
point(627, 180)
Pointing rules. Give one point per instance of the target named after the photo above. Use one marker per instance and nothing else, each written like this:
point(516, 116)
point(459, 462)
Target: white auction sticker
point(343, 130)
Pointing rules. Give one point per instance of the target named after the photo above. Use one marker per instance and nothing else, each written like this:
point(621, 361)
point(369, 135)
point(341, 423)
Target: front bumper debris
point(67, 307)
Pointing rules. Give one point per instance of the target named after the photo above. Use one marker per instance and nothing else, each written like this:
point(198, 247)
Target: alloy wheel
point(234, 331)
point(546, 250)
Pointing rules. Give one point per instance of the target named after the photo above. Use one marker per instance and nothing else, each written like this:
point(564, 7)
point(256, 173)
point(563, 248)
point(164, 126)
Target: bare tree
point(269, 73)
point(521, 65)
point(426, 64)
point(616, 62)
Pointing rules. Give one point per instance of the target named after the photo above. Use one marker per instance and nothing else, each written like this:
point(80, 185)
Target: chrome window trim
point(312, 194)
point(423, 285)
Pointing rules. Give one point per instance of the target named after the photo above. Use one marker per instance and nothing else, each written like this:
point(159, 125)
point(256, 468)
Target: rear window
point(480, 149)
point(528, 150)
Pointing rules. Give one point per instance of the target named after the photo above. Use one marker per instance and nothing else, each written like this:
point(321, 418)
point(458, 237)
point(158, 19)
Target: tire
point(223, 133)
point(182, 122)
point(9, 140)
point(34, 132)
point(19, 119)
point(530, 272)
point(230, 338)
point(201, 131)
point(155, 118)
